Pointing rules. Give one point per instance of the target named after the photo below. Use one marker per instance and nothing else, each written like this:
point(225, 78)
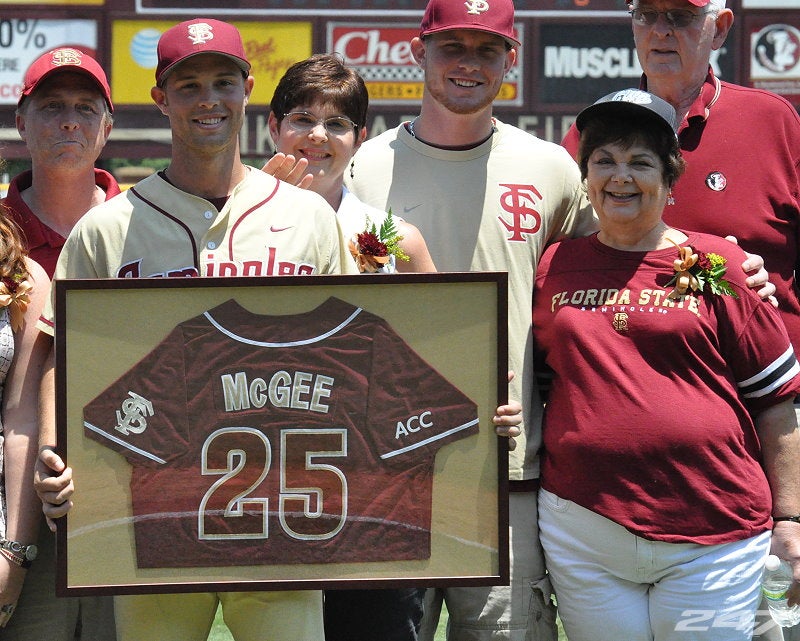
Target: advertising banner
point(24, 40)
point(769, 4)
point(271, 48)
point(366, 7)
point(775, 54)
point(68, 3)
point(381, 53)
point(281, 7)
point(578, 63)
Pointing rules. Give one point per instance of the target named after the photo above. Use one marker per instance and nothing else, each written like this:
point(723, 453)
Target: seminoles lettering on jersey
point(314, 434)
point(271, 265)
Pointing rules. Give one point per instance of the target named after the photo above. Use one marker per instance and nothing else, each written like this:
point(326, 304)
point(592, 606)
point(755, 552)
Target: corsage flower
point(15, 294)
point(697, 270)
point(374, 249)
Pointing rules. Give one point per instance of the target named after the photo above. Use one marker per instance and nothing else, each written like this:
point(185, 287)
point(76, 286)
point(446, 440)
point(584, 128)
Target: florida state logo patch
point(716, 181)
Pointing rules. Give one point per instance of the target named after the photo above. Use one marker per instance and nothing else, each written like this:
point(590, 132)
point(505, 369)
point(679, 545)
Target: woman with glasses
point(318, 116)
point(670, 442)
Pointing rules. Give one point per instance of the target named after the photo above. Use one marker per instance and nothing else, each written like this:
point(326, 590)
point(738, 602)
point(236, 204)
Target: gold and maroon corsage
point(15, 294)
point(696, 270)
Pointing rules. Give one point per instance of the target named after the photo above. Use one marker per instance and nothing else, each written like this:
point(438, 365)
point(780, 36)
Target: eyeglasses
point(304, 121)
point(678, 18)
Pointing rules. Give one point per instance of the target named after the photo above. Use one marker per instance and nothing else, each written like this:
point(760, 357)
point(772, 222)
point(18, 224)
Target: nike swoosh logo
point(408, 209)
point(276, 229)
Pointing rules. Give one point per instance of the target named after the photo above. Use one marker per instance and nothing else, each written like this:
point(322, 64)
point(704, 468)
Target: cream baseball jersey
point(307, 438)
point(266, 228)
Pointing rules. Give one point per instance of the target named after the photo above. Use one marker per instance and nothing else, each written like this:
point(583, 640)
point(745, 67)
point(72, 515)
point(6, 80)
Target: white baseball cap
point(631, 103)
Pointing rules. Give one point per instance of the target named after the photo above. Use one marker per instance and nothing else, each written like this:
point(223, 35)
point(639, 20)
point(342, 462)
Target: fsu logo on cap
point(200, 33)
point(636, 96)
point(62, 57)
point(476, 7)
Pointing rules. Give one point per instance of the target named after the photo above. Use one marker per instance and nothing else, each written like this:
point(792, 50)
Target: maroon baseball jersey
point(308, 438)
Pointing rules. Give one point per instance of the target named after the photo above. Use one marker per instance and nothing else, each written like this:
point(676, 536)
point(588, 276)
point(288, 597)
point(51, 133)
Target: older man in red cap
point(205, 209)
point(486, 196)
point(64, 115)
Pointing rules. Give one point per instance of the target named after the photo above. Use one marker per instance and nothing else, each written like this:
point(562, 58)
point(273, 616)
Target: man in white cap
point(64, 115)
point(486, 196)
point(204, 209)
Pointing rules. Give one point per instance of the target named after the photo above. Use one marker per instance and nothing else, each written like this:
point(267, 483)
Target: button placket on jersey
point(213, 238)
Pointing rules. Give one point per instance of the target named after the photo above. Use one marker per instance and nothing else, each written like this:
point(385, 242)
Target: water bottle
point(775, 582)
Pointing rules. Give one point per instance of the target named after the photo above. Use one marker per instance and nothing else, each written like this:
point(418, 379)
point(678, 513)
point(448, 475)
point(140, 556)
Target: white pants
point(611, 584)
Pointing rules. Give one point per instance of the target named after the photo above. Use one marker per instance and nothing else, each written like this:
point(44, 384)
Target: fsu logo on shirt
point(133, 417)
point(519, 201)
point(716, 181)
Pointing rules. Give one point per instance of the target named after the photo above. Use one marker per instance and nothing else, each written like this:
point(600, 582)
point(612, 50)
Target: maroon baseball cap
point(201, 35)
point(715, 4)
point(64, 59)
point(492, 16)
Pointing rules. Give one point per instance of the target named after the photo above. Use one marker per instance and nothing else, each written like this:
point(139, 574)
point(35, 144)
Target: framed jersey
point(282, 433)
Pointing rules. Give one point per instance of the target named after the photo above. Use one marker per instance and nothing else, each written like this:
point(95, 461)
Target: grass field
point(220, 632)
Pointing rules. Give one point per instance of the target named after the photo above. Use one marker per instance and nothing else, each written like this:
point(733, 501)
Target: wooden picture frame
point(430, 329)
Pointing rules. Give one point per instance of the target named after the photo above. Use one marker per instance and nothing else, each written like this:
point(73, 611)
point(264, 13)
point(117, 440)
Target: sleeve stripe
point(432, 439)
point(778, 373)
point(119, 441)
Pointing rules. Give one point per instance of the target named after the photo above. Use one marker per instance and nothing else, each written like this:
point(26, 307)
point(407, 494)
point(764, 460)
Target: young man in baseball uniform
point(64, 115)
point(206, 214)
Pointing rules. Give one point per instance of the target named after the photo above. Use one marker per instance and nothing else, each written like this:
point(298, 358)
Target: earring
point(670, 199)
point(352, 164)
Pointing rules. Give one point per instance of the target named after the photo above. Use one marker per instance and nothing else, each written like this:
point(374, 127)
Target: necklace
point(414, 135)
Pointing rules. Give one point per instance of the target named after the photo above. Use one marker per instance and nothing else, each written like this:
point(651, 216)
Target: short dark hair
point(322, 78)
point(627, 132)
